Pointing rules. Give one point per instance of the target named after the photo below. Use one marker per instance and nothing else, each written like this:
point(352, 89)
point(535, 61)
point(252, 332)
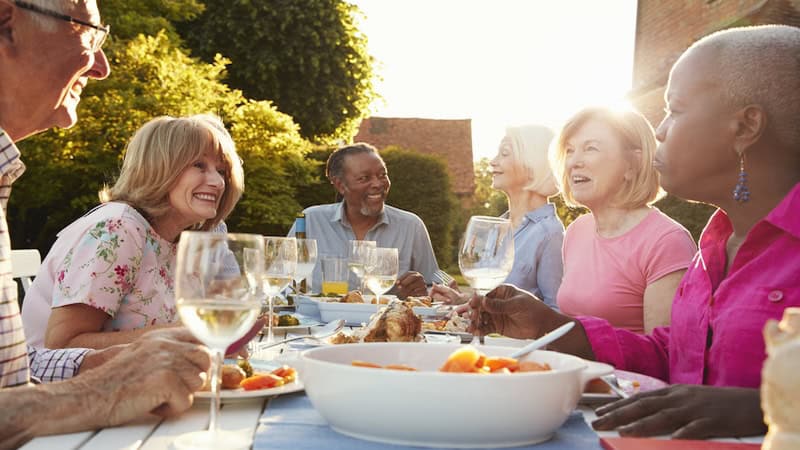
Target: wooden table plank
point(131, 436)
point(195, 419)
point(59, 441)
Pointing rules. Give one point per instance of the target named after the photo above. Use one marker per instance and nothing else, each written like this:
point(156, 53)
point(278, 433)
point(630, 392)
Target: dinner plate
point(240, 395)
point(630, 382)
point(305, 323)
point(465, 337)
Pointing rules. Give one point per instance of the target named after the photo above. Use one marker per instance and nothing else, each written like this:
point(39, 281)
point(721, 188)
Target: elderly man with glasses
point(49, 49)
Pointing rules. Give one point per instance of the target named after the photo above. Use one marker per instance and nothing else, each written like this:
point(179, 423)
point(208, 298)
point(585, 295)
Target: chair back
point(24, 265)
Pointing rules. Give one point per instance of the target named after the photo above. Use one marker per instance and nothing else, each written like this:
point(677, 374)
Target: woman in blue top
point(522, 171)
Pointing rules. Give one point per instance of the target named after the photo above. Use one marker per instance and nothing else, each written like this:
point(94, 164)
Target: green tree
point(129, 18)
point(305, 55)
point(152, 77)
point(421, 184)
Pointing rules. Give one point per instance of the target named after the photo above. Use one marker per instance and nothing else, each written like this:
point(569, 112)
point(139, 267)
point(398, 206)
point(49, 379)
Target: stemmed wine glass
point(306, 260)
point(280, 265)
point(358, 257)
point(487, 252)
point(217, 298)
point(381, 271)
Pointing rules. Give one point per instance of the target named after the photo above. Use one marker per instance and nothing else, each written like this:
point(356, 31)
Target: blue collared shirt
point(395, 228)
point(538, 265)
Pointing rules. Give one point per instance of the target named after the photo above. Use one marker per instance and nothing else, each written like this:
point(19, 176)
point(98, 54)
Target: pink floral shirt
point(110, 259)
point(716, 336)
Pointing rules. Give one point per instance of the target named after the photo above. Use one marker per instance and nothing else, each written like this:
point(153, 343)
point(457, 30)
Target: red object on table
point(626, 443)
point(236, 346)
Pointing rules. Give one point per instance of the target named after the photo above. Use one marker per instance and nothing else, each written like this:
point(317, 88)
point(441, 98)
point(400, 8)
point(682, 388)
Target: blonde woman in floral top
point(108, 277)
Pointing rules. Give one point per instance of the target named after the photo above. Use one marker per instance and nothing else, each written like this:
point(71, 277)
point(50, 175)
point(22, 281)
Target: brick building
point(449, 139)
point(665, 28)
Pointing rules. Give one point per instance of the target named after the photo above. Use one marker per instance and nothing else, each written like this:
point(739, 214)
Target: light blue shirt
point(395, 228)
point(538, 265)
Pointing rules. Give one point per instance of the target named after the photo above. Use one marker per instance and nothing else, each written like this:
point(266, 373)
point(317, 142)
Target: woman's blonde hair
point(635, 133)
point(529, 146)
point(159, 152)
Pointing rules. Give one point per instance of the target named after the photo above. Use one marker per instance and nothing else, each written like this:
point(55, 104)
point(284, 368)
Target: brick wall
point(449, 139)
point(665, 28)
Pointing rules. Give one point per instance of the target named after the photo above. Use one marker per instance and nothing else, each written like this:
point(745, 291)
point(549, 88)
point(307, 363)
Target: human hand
point(411, 284)
point(511, 312)
point(156, 373)
point(685, 412)
point(447, 295)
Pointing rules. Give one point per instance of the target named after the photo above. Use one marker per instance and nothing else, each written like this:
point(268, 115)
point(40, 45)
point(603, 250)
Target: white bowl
point(503, 341)
point(436, 409)
point(357, 313)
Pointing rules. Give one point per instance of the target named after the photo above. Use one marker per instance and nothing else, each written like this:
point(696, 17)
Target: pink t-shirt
point(607, 277)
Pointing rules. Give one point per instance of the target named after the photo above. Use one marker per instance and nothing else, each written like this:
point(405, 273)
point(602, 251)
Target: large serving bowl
point(436, 409)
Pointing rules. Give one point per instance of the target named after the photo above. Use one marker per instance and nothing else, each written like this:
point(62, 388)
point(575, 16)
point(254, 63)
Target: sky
point(498, 62)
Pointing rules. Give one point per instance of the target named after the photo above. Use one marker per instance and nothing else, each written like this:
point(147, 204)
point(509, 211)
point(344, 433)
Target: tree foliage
point(305, 55)
point(130, 18)
point(153, 77)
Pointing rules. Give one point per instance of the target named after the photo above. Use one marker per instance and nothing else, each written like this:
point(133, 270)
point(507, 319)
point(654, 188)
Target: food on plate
point(456, 324)
point(232, 375)
point(343, 338)
point(245, 365)
point(383, 300)
point(395, 323)
point(287, 320)
point(597, 386)
point(262, 381)
point(422, 301)
point(468, 359)
point(353, 297)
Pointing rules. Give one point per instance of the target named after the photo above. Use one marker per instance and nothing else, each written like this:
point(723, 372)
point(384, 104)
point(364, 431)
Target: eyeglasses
point(98, 38)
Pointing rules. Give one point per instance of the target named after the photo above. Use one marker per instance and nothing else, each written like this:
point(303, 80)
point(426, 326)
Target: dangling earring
point(741, 193)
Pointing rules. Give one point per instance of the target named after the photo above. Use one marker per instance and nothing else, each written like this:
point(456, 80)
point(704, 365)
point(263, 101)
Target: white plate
point(305, 323)
point(465, 337)
point(238, 395)
point(234, 395)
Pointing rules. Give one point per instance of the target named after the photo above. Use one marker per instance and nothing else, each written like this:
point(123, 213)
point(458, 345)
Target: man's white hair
point(761, 65)
point(62, 6)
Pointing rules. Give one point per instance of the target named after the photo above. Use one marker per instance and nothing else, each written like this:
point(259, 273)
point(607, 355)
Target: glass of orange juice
point(335, 275)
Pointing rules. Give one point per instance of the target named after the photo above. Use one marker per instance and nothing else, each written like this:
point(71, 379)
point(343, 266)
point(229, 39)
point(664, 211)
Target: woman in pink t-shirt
point(624, 260)
point(108, 277)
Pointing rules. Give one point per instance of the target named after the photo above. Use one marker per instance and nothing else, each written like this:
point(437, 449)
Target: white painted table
point(158, 434)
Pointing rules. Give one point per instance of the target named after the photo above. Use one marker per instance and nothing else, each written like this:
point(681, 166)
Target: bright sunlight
point(499, 62)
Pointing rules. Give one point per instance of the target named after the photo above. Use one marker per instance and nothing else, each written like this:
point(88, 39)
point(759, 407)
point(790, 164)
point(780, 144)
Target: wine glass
point(306, 260)
point(280, 265)
point(380, 272)
point(359, 253)
point(487, 252)
point(217, 297)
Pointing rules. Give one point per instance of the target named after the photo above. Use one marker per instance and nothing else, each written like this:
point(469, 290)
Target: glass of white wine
point(306, 260)
point(381, 271)
point(218, 300)
point(357, 258)
point(280, 265)
point(487, 252)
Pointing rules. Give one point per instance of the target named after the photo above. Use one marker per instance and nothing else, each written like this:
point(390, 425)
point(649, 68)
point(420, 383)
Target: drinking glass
point(487, 252)
point(306, 260)
point(334, 275)
point(280, 265)
point(218, 300)
point(381, 271)
point(357, 258)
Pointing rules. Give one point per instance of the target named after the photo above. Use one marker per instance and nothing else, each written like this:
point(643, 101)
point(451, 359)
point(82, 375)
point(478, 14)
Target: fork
point(444, 277)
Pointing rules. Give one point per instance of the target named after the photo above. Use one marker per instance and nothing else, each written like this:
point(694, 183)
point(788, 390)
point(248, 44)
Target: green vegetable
point(245, 365)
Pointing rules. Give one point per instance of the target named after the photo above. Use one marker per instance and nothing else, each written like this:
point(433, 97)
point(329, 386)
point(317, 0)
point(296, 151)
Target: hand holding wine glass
point(217, 296)
point(381, 271)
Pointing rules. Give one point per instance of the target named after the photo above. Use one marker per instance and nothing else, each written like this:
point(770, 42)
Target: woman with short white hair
point(521, 170)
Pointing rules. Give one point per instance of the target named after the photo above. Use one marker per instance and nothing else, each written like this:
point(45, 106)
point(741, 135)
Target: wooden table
point(158, 434)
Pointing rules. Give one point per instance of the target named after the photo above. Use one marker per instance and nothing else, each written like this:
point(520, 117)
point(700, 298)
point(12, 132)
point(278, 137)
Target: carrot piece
point(495, 363)
point(261, 381)
point(531, 366)
point(289, 374)
point(399, 367)
point(358, 363)
point(464, 359)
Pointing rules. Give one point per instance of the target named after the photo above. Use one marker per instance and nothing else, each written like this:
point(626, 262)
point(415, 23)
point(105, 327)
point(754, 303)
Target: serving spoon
point(322, 332)
point(544, 340)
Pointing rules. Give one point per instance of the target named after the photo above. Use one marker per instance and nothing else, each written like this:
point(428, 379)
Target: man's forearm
point(106, 339)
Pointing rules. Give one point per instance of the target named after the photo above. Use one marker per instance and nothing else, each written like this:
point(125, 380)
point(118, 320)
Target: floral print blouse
point(110, 259)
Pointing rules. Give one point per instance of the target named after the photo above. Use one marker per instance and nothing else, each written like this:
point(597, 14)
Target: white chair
point(24, 265)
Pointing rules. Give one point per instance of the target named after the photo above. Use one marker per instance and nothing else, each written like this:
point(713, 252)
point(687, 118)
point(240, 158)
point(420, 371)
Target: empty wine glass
point(218, 300)
point(380, 272)
point(357, 258)
point(306, 260)
point(280, 265)
point(487, 252)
